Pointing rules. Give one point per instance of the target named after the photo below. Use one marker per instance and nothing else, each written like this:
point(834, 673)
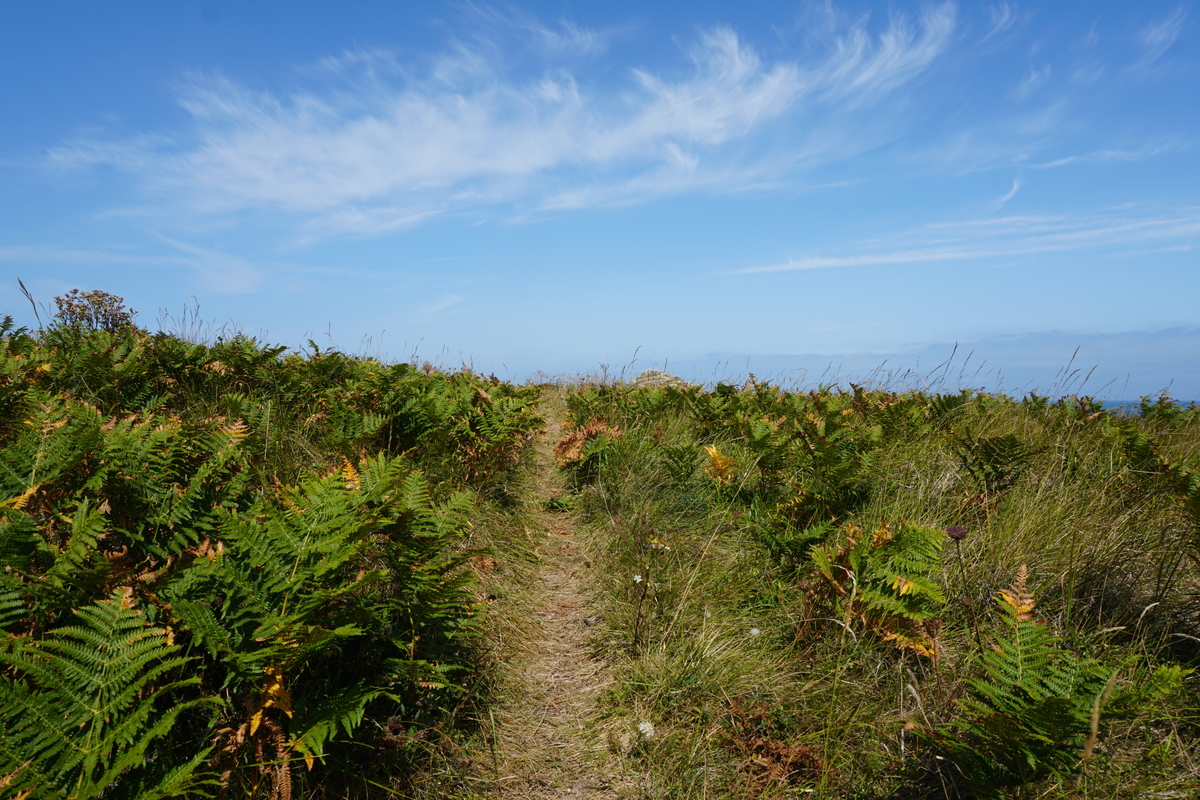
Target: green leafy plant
point(993, 462)
point(87, 710)
point(584, 448)
point(680, 462)
point(882, 579)
point(1034, 710)
point(1154, 468)
point(1027, 715)
point(292, 532)
point(334, 594)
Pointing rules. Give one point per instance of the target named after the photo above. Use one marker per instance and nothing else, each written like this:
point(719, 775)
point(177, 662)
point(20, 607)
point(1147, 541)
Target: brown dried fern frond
point(236, 430)
point(570, 447)
point(283, 767)
point(1018, 596)
point(5, 780)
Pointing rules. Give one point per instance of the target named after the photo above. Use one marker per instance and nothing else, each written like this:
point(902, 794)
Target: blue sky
point(809, 190)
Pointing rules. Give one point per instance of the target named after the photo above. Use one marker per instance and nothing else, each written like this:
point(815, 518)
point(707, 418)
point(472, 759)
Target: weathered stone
point(657, 379)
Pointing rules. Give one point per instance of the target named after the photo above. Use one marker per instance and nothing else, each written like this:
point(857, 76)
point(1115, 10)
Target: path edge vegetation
point(227, 569)
point(870, 593)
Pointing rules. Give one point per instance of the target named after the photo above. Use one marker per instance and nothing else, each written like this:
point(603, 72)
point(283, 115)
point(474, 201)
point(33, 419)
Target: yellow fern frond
point(925, 647)
point(287, 501)
point(303, 750)
point(720, 466)
point(276, 696)
point(350, 474)
point(22, 499)
point(236, 430)
point(796, 502)
point(1018, 597)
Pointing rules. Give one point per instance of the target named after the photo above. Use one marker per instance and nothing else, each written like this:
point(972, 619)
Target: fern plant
point(883, 580)
point(680, 463)
point(321, 601)
point(90, 503)
point(1033, 711)
point(1154, 469)
point(1027, 715)
point(226, 495)
point(86, 711)
point(994, 463)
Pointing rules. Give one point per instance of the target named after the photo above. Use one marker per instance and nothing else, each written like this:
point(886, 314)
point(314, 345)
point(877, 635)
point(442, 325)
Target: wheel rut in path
point(548, 740)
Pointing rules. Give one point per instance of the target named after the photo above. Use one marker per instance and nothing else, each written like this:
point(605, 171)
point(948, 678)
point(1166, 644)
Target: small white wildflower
point(755, 631)
point(708, 615)
point(647, 729)
point(637, 578)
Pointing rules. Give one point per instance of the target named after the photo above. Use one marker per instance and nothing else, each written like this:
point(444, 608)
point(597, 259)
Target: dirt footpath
point(549, 742)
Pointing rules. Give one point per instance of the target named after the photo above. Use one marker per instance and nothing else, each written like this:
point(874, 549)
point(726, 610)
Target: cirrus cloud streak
point(1013, 236)
point(393, 145)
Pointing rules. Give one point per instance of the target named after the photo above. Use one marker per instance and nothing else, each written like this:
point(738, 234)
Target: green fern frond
point(201, 622)
point(1029, 712)
point(19, 539)
point(995, 463)
point(883, 578)
point(82, 709)
point(342, 709)
point(73, 568)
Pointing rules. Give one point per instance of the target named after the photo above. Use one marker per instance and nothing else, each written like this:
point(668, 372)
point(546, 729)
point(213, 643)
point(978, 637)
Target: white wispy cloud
point(393, 144)
point(1001, 18)
point(1026, 136)
point(41, 254)
point(1030, 83)
point(216, 272)
point(1013, 236)
point(1158, 37)
point(442, 304)
point(1117, 155)
point(1016, 187)
point(365, 219)
point(567, 37)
